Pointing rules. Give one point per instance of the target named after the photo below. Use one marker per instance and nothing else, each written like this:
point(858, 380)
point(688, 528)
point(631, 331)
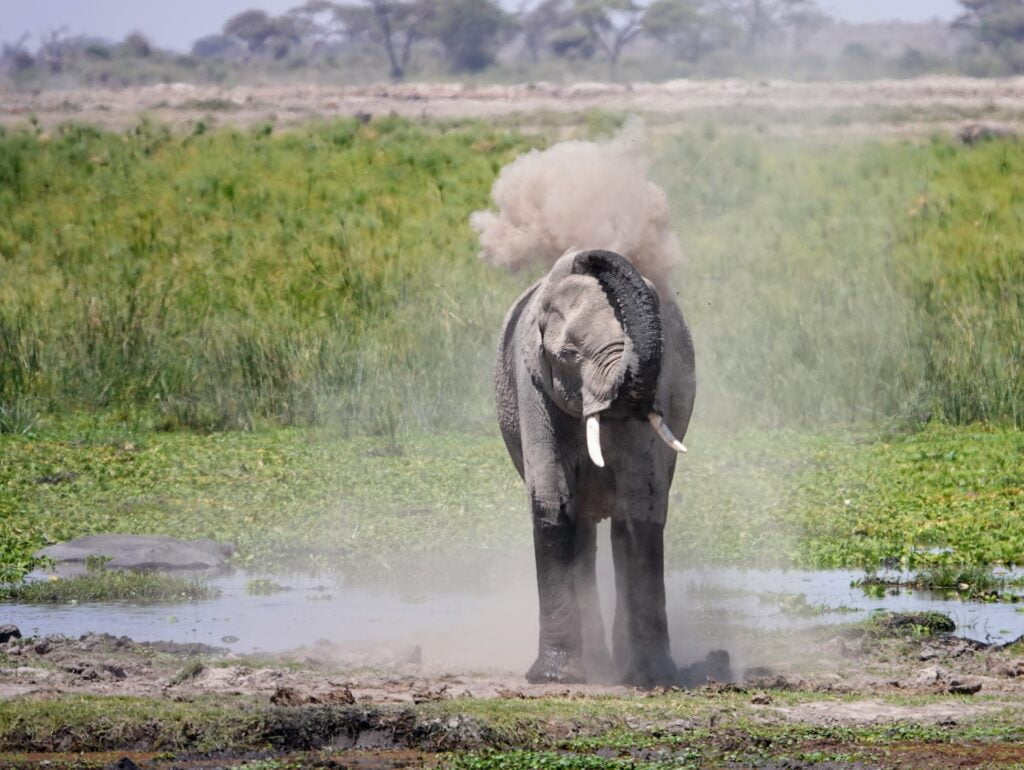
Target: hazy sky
point(176, 23)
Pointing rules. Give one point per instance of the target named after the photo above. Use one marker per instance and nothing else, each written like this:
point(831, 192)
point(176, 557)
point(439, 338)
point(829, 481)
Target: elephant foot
point(715, 668)
point(653, 671)
point(598, 665)
point(555, 664)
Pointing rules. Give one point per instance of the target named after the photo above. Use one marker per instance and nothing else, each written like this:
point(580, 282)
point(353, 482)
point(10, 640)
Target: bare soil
point(849, 665)
point(385, 703)
point(905, 106)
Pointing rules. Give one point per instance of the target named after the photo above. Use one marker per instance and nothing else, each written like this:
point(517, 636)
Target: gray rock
point(141, 552)
point(8, 632)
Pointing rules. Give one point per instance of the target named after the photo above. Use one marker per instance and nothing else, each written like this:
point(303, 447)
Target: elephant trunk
point(636, 307)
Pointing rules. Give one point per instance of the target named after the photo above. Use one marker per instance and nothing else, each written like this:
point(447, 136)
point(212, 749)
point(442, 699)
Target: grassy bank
point(315, 499)
point(228, 279)
point(678, 730)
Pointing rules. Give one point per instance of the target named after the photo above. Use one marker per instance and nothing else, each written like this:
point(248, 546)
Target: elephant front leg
point(560, 650)
point(641, 624)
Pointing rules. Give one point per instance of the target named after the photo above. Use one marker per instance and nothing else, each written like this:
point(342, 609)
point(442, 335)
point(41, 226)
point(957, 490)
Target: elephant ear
point(637, 309)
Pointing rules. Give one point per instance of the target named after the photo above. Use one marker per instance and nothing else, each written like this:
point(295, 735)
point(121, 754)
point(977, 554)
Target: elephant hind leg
point(596, 660)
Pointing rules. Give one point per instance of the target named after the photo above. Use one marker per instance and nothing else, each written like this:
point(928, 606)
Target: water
point(707, 609)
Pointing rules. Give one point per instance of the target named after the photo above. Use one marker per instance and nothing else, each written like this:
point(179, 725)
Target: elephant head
point(601, 339)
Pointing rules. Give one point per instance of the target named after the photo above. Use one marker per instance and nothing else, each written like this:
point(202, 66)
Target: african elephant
point(590, 359)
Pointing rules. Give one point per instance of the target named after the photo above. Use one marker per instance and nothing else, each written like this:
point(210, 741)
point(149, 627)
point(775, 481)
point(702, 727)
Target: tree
point(395, 25)
point(997, 25)
point(468, 30)
point(538, 23)
point(763, 20)
point(691, 29)
point(262, 33)
point(611, 25)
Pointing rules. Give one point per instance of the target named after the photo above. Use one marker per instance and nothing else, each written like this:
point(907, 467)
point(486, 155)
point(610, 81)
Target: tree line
point(467, 35)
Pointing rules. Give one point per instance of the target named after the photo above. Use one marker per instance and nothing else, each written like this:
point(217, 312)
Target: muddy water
point(708, 609)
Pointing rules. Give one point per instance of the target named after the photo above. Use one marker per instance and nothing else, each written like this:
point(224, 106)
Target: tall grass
point(843, 281)
point(223, 278)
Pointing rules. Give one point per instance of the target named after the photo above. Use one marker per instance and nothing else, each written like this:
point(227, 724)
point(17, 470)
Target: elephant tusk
point(594, 441)
point(658, 422)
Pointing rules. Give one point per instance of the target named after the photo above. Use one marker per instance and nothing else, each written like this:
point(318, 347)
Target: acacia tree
point(691, 29)
point(763, 20)
point(395, 25)
point(997, 25)
point(468, 30)
point(611, 25)
point(537, 22)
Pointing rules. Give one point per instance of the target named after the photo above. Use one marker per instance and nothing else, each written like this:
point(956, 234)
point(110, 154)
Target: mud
point(850, 663)
point(912, 105)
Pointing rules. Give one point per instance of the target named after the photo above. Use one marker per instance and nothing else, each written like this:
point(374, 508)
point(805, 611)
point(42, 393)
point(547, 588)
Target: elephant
point(594, 382)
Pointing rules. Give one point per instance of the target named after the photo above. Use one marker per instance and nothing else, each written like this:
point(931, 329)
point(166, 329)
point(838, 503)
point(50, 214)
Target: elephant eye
point(569, 353)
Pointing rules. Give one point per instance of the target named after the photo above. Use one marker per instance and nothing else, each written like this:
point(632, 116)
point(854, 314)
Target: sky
point(177, 23)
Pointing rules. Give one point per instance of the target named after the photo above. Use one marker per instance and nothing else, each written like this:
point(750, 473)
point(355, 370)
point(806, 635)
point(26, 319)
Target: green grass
point(314, 499)
point(107, 586)
point(228, 279)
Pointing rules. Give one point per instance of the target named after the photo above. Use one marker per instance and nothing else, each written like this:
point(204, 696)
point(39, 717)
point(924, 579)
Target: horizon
point(177, 26)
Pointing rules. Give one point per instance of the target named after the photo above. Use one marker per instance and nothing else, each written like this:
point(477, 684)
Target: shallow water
point(707, 609)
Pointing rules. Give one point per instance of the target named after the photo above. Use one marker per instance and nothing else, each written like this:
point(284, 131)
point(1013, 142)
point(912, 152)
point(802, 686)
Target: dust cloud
point(580, 195)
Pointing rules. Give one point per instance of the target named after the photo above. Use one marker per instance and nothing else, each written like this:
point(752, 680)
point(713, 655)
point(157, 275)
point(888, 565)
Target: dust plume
point(580, 195)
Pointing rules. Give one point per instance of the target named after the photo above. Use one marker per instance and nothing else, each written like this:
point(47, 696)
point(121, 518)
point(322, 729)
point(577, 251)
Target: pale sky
point(177, 23)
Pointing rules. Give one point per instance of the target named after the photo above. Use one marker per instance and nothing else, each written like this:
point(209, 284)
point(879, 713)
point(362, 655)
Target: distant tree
point(252, 27)
point(539, 22)
point(997, 25)
point(262, 33)
point(214, 45)
point(137, 46)
point(691, 29)
point(15, 58)
point(764, 20)
point(611, 25)
point(395, 25)
point(468, 30)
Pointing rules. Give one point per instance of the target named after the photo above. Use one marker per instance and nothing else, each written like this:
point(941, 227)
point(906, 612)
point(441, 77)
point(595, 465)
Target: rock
point(141, 552)
point(290, 696)
point(975, 133)
point(124, 763)
point(60, 477)
point(761, 699)
point(928, 676)
point(715, 667)
point(962, 687)
point(8, 632)
point(42, 647)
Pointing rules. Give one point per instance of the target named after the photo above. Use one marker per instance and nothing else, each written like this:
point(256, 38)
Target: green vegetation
point(956, 580)
point(659, 731)
point(320, 290)
point(313, 499)
point(215, 280)
point(108, 586)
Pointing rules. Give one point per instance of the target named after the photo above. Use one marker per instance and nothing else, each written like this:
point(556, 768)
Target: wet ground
point(708, 609)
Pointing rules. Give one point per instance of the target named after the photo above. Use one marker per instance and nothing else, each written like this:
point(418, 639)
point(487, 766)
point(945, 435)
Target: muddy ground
point(903, 106)
point(865, 698)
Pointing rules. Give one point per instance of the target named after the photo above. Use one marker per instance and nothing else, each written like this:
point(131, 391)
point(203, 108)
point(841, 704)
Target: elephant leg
point(641, 635)
point(560, 649)
point(596, 660)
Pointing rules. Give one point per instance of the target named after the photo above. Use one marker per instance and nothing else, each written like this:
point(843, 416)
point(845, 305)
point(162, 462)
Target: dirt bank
point(916, 104)
point(855, 691)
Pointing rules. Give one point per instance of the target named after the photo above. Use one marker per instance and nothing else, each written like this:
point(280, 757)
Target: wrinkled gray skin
point(594, 338)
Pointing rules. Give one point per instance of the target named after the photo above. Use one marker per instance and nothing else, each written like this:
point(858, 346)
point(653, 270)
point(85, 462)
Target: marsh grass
point(103, 585)
point(225, 279)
